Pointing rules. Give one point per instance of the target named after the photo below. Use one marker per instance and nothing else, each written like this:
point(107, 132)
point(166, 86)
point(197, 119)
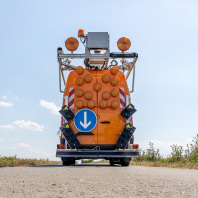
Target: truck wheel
point(72, 161)
point(68, 161)
point(111, 161)
point(125, 161)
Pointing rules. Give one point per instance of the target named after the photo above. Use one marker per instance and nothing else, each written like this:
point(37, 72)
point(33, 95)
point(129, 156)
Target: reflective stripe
point(71, 98)
point(122, 97)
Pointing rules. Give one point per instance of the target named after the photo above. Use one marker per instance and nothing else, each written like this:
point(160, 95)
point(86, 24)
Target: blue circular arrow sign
point(85, 120)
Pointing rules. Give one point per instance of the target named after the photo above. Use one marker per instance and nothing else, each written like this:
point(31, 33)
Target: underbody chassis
point(94, 154)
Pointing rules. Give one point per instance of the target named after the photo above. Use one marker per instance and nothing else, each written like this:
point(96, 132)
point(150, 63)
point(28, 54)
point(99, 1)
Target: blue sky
point(163, 33)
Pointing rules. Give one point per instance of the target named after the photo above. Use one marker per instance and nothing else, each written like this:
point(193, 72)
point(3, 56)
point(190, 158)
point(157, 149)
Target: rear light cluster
point(135, 146)
point(60, 146)
point(97, 87)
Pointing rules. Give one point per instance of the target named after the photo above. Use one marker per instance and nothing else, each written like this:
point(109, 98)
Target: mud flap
point(70, 136)
point(125, 136)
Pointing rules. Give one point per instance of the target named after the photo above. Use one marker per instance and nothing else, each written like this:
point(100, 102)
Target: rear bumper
point(128, 153)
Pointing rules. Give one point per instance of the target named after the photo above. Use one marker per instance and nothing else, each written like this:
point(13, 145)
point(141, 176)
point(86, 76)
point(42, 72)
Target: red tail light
point(60, 146)
point(135, 146)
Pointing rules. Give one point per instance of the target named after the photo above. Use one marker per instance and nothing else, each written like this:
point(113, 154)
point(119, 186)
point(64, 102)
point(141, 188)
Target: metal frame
point(64, 61)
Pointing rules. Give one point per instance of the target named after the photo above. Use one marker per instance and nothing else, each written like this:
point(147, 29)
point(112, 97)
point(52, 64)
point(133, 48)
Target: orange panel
point(113, 123)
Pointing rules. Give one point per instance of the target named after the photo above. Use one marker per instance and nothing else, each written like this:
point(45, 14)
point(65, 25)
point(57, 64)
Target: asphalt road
point(99, 180)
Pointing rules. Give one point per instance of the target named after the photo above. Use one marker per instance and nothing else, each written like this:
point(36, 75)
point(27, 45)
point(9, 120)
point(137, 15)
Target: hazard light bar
point(123, 55)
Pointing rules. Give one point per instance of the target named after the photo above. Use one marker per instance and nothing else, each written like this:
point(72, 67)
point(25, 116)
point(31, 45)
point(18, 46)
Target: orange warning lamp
point(114, 70)
point(79, 92)
point(91, 104)
point(71, 44)
point(88, 95)
point(80, 33)
point(114, 104)
point(105, 78)
point(79, 81)
point(123, 44)
point(105, 95)
point(79, 69)
point(97, 86)
point(79, 104)
point(88, 78)
point(103, 104)
point(114, 81)
point(114, 92)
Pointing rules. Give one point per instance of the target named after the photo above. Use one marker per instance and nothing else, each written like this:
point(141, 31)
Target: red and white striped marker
point(71, 98)
point(122, 97)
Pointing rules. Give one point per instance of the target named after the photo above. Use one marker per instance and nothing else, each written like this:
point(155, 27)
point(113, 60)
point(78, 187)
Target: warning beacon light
point(71, 44)
point(81, 33)
point(123, 44)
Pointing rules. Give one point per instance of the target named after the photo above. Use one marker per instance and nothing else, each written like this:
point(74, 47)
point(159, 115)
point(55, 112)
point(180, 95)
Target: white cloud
point(51, 106)
point(23, 145)
point(6, 104)
point(22, 124)
point(5, 97)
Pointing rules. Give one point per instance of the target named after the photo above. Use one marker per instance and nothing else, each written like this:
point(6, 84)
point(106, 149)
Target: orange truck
point(96, 116)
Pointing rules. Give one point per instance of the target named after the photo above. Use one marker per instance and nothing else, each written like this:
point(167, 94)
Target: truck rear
point(96, 114)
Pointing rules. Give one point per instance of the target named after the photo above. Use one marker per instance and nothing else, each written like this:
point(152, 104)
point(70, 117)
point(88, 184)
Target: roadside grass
point(14, 161)
point(178, 158)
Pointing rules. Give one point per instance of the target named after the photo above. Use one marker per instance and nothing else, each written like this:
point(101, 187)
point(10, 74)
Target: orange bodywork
point(109, 121)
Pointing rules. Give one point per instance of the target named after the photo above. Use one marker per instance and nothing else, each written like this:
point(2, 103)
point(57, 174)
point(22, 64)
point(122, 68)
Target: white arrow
point(85, 125)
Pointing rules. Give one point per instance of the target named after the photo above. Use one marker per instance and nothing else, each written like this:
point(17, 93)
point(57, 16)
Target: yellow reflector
point(79, 92)
point(123, 44)
point(71, 44)
point(114, 70)
point(79, 81)
point(80, 33)
point(114, 92)
point(79, 69)
point(88, 95)
point(114, 104)
point(88, 78)
point(105, 95)
point(97, 86)
point(103, 104)
point(79, 104)
point(91, 104)
point(114, 81)
point(105, 78)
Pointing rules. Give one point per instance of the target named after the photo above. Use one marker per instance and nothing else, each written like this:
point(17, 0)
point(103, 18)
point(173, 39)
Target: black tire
point(125, 161)
point(68, 161)
point(72, 161)
point(111, 162)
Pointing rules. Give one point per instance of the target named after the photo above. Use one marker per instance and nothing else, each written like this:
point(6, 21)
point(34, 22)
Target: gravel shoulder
point(97, 180)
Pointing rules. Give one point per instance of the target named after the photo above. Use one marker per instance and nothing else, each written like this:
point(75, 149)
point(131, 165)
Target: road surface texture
point(100, 180)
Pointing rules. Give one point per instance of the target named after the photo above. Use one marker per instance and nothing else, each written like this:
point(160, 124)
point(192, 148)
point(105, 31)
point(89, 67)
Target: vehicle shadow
point(76, 166)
